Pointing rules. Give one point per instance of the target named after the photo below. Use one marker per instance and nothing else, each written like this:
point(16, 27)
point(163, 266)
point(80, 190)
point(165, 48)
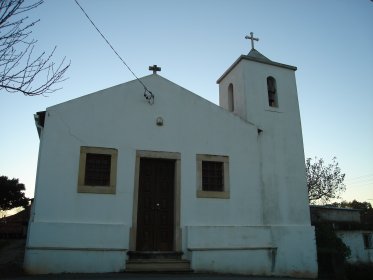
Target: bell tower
point(264, 93)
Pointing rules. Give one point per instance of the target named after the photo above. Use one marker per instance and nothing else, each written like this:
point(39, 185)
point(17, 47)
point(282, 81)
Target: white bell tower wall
point(265, 94)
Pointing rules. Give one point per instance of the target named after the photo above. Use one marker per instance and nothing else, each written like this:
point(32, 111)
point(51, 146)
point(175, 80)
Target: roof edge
point(256, 59)
point(333, 208)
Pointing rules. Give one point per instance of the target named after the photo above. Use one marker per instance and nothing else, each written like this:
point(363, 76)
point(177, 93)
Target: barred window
point(212, 176)
point(97, 170)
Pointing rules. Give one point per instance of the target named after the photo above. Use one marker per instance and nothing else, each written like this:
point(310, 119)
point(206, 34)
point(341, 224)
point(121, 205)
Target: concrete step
point(158, 265)
point(154, 255)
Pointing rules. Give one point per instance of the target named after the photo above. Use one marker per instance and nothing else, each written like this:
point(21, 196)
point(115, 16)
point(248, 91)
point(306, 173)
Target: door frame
point(157, 155)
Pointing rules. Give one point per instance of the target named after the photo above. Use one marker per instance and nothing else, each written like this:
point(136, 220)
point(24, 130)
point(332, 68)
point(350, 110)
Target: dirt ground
point(11, 257)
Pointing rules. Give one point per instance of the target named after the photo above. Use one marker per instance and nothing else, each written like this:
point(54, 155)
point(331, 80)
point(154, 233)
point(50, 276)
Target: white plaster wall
point(245, 261)
point(236, 78)
point(281, 142)
point(67, 224)
point(231, 249)
point(103, 236)
point(44, 261)
point(283, 176)
point(228, 237)
point(354, 240)
point(296, 254)
point(253, 250)
point(120, 118)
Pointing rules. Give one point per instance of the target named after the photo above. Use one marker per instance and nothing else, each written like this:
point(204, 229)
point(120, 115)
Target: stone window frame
point(111, 189)
point(225, 194)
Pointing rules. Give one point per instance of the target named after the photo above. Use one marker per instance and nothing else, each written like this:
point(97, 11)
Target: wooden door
point(155, 214)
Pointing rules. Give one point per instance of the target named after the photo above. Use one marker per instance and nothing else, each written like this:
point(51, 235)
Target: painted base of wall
point(257, 250)
point(251, 250)
point(250, 262)
point(60, 261)
point(75, 247)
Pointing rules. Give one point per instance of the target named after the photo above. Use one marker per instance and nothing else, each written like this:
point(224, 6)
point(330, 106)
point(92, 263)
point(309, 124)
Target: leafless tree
point(20, 70)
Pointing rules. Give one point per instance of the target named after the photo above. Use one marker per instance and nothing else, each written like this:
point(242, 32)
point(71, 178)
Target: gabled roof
point(256, 56)
point(161, 88)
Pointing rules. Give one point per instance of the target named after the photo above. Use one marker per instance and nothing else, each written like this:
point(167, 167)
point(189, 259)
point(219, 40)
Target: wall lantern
point(159, 121)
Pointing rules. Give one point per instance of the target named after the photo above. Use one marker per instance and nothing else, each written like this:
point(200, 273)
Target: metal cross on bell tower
point(251, 37)
point(154, 68)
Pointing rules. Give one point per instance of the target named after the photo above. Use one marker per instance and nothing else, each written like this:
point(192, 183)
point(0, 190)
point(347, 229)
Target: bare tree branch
point(20, 70)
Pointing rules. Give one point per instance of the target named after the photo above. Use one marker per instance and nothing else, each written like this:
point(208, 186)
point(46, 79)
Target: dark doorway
point(155, 215)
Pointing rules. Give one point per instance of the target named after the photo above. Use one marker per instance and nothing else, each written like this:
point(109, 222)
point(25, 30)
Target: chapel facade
point(173, 181)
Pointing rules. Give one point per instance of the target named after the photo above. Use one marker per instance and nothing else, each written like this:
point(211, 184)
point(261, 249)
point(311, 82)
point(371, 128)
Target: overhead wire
point(360, 181)
point(149, 96)
point(362, 177)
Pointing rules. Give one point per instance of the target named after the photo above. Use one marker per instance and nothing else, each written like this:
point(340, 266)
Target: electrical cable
point(362, 177)
point(149, 96)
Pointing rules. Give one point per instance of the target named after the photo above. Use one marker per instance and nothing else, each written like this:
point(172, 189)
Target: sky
point(195, 41)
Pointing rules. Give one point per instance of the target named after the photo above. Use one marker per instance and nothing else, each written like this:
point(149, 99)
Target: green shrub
point(328, 241)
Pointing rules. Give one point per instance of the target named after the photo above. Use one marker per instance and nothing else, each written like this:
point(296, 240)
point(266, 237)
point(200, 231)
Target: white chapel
point(173, 182)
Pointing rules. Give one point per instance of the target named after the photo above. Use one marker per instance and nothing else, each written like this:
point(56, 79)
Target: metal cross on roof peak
point(154, 68)
point(251, 37)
